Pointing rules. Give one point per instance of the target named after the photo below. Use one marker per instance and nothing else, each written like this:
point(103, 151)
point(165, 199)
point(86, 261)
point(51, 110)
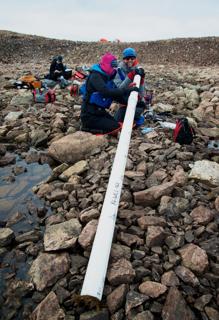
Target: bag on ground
point(31, 81)
point(44, 95)
point(183, 133)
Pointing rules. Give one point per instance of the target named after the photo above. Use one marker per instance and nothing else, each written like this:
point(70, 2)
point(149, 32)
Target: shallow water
point(15, 196)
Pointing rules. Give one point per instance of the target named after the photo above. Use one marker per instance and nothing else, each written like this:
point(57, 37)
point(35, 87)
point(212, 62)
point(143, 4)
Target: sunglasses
point(129, 58)
point(114, 64)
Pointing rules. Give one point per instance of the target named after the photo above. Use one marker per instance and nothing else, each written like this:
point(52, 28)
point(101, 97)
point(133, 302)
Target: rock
point(155, 236)
point(3, 149)
point(88, 233)
point(75, 147)
point(151, 196)
point(180, 177)
point(146, 221)
point(202, 301)
point(133, 300)
point(169, 279)
point(120, 272)
point(62, 235)
point(6, 236)
point(48, 268)
point(13, 116)
point(212, 313)
point(175, 307)
point(78, 168)
point(217, 204)
point(22, 98)
point(38, 137)
point(205, 171)
point(95, 315)
point(129, 239)
point(48, 309)
point(194, 258)
point(116, 298)
point(187, 276)
point(211, 246)
point(33, 235)
point(57, 195)
point(119, 251)
point(201, 215)
point(145, 315)
point(87, 215)
point(161, 107)
point(152, 289)
point(8, 158)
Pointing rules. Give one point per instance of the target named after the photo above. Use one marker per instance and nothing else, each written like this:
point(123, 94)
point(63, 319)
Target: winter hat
point(108, 63)
point(59, 58)
point(129, 52)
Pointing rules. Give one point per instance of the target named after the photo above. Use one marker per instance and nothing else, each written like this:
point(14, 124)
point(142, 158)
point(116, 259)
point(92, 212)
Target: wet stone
point(6, 236)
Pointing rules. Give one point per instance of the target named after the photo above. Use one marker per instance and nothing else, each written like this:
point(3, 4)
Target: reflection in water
point(16, 199)
point(15, 195)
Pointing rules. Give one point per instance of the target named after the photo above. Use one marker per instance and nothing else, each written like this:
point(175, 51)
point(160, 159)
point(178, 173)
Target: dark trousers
point(120, 113)
point(97, 120)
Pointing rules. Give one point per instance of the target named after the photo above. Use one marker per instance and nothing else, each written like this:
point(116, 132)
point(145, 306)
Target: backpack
point(44, 96)
point(30, 81)
point(183, 133)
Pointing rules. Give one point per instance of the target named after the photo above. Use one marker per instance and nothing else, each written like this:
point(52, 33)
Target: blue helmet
point(129, 52)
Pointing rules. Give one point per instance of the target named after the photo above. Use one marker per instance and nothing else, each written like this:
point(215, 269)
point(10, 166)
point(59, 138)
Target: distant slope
point(16, 47)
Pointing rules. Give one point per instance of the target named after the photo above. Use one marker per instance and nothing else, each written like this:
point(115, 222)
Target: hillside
point(193, 51)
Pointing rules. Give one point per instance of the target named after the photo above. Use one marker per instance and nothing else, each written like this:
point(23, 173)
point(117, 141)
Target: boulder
point(75, 147)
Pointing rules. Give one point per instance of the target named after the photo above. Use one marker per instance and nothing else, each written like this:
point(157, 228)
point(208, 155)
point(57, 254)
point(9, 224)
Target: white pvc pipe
point(97, 266)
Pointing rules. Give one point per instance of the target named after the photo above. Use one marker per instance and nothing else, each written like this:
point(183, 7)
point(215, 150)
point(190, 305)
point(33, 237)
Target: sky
point(126, 20)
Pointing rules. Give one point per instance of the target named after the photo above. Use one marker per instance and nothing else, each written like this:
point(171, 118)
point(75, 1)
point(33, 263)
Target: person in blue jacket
point(126, 71)
point(100, 91)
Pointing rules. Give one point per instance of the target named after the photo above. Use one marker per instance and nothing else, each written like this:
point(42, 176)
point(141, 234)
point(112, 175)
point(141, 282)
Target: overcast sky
point(127, 20)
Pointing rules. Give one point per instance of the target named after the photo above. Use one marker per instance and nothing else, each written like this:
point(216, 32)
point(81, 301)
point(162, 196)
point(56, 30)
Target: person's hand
point(131, 75)
point(141, 104)
point(130, 89)
point(140, 72)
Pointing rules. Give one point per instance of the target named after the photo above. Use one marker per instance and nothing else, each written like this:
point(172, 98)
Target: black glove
point(140, 72)
point(141, 104)
point(130, 89)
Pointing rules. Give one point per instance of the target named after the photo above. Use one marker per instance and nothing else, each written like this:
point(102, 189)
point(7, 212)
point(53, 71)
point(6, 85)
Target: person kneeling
point(99, 94)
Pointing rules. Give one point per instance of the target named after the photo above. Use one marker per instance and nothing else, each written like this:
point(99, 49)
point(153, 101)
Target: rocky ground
point(164, 260)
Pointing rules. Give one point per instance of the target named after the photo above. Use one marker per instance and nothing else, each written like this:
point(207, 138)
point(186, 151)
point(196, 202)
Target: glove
point(131, 75)
point(132, 84)
point(140, 72)
point(130, 89)
point(141, 105)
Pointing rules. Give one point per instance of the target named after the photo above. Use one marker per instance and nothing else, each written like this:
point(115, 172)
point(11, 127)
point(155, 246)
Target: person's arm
point(99, 85)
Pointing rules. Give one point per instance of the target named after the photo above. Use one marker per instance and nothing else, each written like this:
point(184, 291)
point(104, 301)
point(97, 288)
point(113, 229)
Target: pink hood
point(105, 63)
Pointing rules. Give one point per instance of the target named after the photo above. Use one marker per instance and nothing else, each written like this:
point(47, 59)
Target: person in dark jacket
point(57, 69)
point(99, 94)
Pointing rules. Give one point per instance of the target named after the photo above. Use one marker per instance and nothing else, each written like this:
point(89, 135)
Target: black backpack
point(183, 133)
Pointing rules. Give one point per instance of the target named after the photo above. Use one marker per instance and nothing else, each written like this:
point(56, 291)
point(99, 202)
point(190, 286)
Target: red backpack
point(183, 133)
point(44, 95)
